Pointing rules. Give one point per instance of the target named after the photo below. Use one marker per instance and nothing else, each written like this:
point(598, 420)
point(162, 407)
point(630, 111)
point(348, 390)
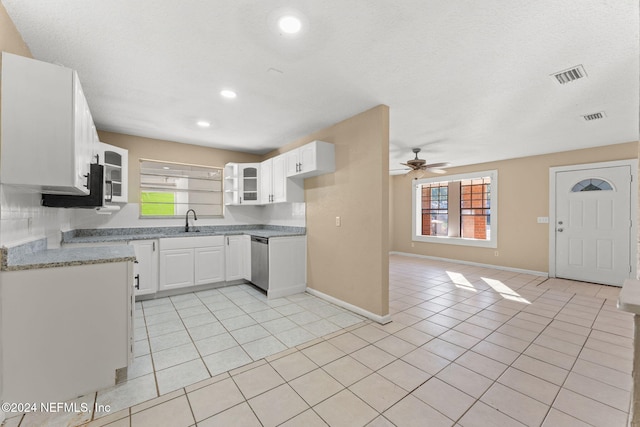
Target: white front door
point(593, 224)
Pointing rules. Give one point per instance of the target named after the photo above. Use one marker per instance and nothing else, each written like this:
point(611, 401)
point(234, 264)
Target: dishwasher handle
point(259, 239)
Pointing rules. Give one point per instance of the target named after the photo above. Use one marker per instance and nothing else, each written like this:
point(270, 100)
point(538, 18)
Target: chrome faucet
point(186, 220)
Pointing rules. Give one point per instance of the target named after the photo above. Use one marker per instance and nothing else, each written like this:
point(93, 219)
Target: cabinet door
point(116, 172)
point(266, 185)
point(250, 181)
point(146, 269)
point(307, 158)
point(279, 180)
point(209, 265)
point(234, 258)
point(176, 268)
point(292, 161)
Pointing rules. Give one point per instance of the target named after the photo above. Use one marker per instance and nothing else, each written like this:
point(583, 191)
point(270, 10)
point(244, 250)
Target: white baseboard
point(362, 312)
point(479, 264)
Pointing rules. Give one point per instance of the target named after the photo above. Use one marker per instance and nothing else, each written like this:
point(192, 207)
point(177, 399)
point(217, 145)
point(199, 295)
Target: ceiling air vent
point(594, 116)
point(567, 76)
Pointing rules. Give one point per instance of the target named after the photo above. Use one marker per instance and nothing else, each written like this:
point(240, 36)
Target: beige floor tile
point(556, 418)
point(293, 365)
point(323, 353)
point(258, 380)
point(460, 339)
point(473, 330)
point(540, 369)
point(412, 412)
point(215, 398)
point(527, 384)
point(381, 422)
point(345, 409)
point(548, 355)
point(507, 341)
point(157, 401)
point(599, 391)
point(518, 406)
point(446, 399)
point(444, 349)
point(277, 405)
point(348, 342)
point(603, 374)
point(121, 416)
point(175, 413)
point(378, 392)
point(370, 333)
point(425, 360)
point(238, 416)
point(395, 346)
point(373, 357)
point(610, 361)
point(316, 386)
point(483, 415)
point(588, 410)
point(347, 370)
point(414, 336)
point(307, 419)
point(465, 380)
point(122, 422)
point(496, 352)
point(481, 364)
point(403, 374)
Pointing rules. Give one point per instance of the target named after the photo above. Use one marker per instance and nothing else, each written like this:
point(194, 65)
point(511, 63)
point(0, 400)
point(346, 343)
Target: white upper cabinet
point(48, 135)
point(116, 173)
point(242, 184)
point(275, 186)
point(312, 159)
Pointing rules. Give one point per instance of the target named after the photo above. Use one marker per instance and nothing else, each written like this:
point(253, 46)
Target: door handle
point(560, 230)
point(137, 286)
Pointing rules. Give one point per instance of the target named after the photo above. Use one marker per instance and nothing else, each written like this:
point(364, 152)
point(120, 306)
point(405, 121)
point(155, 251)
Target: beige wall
point(523, 195)
point(351, 262)
point(10, 39)
point(156, 149)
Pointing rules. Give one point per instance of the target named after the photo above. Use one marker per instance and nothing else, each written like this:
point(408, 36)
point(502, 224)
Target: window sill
point(460, 241)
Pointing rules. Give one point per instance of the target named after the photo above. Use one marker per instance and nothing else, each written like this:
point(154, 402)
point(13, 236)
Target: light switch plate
point(338, 221)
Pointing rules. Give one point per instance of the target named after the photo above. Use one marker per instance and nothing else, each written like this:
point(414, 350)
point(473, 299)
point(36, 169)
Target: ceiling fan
point(419, 166)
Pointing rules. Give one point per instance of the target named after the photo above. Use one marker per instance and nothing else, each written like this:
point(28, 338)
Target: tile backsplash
point(22, 218)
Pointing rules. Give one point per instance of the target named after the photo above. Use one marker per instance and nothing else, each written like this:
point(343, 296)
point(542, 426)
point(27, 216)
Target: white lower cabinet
point(189, 261)
point(145, 270)
point(209, 265)
point(238, 257)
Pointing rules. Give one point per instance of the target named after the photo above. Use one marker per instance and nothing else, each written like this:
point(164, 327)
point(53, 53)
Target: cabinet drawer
point(191, 242)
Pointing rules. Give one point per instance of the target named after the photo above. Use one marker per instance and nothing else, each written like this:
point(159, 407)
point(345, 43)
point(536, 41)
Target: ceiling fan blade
point(436, 170)
point(438, 165)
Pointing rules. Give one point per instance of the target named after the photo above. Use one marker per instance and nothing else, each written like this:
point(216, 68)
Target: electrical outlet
point(338, 221)
point(496, 253)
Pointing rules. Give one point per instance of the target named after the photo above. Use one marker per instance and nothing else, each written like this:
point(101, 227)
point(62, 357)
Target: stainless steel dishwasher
point(260, 262)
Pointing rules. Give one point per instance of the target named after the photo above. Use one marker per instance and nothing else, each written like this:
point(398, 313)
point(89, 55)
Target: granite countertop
point(128, 234)
point(65, 257)
point(35, 254)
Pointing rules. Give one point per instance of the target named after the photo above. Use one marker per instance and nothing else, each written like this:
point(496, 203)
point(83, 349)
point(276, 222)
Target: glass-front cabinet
point(242, 184)
point(116, 167)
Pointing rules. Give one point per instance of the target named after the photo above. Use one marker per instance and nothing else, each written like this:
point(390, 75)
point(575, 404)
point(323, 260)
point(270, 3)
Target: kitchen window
point(171, 189)
point(460, 209)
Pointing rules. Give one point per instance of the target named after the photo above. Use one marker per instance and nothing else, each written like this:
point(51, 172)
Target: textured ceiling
point(468, 81)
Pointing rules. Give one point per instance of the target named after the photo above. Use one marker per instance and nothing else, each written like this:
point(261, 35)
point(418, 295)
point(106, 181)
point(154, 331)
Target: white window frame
point(416, 220)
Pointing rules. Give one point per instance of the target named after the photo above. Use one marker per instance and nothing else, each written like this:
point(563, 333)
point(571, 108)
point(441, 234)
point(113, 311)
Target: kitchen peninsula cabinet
point(238, 257)
point(64, 330)
point(146, 266)
point(48, 135)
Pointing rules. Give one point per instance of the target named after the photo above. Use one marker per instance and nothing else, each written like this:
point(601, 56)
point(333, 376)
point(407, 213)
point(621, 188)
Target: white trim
point(493, 240)
point(479, 264)
point(633, 249)
point(369, 315)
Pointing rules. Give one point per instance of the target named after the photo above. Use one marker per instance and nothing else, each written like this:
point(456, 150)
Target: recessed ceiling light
point(203, 123)
point(289, 24)
point(228, 93)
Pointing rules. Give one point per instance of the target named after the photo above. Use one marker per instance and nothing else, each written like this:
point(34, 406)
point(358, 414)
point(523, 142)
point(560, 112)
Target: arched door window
point(592, 184)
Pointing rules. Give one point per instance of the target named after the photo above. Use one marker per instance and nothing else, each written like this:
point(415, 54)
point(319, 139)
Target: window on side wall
point(457, 209)
point(171, 189)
